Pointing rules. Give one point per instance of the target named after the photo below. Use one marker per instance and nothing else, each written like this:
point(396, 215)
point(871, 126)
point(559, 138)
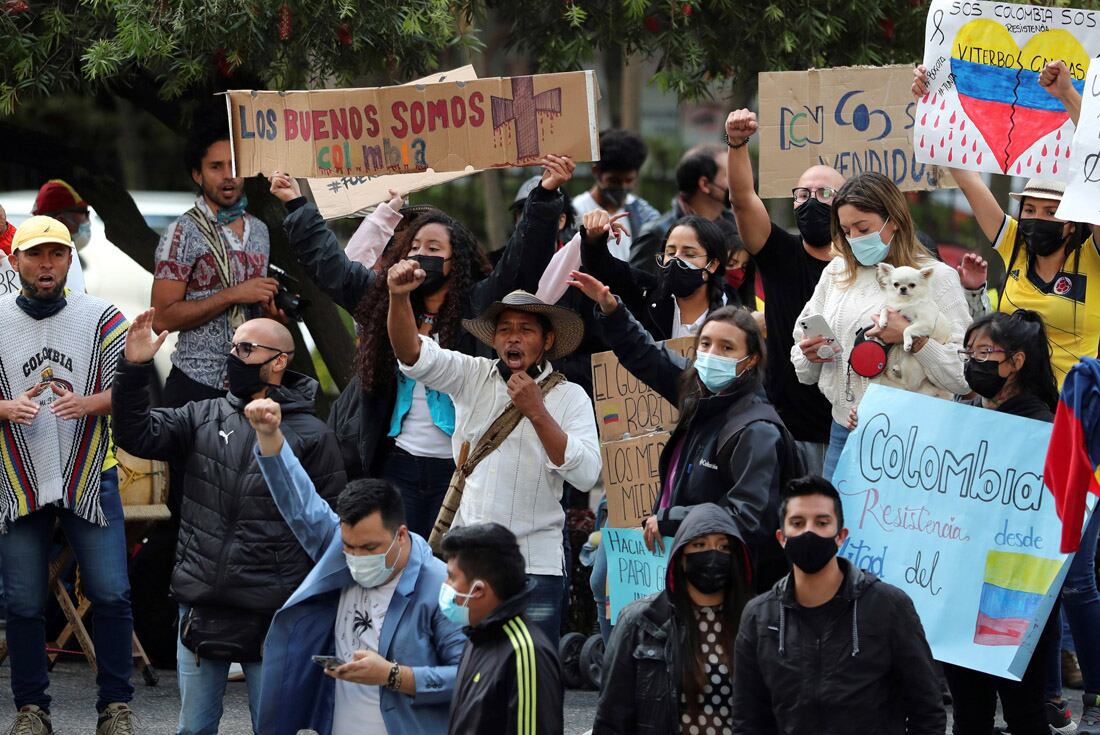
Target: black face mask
point(432, 265)
point(613, 196)
point(708, 571)
point(814, 222)
point(984, 378)
point(506, 372)
point(244, 379)
point(1042, 236)
point(683, 281)
point(810, 552)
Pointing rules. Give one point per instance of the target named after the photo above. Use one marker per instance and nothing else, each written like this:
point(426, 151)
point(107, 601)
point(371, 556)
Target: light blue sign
point(633, 571)
point(947, 502)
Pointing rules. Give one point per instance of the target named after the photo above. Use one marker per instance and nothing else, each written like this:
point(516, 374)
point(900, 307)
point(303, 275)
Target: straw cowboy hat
point(567, 324)
point(1041, 189)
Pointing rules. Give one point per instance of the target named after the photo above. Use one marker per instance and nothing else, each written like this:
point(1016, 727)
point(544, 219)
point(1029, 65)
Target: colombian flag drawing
point(999, 89)
point(1013, 589)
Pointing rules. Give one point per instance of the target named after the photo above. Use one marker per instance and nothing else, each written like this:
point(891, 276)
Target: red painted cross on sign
point(524, 109)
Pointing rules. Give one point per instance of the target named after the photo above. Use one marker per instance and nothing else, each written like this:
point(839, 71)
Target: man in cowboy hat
point(518, 484)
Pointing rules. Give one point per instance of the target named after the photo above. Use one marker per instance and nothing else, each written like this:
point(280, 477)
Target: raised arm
point(630, 284)
point(317, 249)
point(753, 221)
point(376, 229)
point(402, 279)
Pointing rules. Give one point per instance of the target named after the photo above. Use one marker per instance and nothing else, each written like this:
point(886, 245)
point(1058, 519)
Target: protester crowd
point(402, 567)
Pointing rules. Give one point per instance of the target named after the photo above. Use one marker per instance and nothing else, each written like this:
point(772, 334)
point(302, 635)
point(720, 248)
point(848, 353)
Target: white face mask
point(370, 570)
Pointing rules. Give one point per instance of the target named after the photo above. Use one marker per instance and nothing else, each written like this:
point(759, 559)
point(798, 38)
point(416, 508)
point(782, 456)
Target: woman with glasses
point(404, 431)
point(1007, 365)
point(871, 225)
point(730, 446)
point(689, 284)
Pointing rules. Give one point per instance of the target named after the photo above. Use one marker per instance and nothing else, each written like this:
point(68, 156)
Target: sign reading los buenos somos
point(633, 571)
point(1081, 202)
point(985, 110)
point(347, 196)
point(632, 478)
point(449, 126)
point(947, 502)
point(854, 119)
point(625, 406)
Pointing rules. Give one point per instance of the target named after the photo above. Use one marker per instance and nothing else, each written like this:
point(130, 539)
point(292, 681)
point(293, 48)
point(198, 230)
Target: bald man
point(237, 561)
point(790, 267)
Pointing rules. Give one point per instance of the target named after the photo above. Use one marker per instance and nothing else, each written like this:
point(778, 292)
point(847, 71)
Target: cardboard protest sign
point(1081, 202)
point(452, 126)
point(626, 405)
point(631, 477)
point(633, 571)
point(985, 110)
point(854, 119)
point(352, 195)
point(947, 502)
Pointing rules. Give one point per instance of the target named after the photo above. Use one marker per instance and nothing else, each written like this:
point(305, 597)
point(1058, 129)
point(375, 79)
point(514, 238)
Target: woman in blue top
point(404, 430)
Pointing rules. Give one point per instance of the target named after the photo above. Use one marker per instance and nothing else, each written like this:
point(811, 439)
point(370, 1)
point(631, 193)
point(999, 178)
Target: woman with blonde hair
point(871, 225)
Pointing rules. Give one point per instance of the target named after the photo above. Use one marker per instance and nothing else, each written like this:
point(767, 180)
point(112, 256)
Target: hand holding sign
point(556, 171)
point(652, 535)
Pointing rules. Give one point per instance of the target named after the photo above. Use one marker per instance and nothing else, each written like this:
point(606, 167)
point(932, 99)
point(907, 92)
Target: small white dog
point(908, 292)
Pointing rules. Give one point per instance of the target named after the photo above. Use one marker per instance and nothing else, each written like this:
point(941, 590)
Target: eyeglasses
point(243, 350)
point(667, 261)
point(824, 195)
point(980, 355)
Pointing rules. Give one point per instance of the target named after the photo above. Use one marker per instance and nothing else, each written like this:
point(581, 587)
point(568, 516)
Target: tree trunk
point(630, 93)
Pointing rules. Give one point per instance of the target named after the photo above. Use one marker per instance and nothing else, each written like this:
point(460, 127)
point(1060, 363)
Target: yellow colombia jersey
point(1070, 304)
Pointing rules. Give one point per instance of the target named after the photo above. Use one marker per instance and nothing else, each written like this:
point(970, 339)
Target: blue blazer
point(295, 693)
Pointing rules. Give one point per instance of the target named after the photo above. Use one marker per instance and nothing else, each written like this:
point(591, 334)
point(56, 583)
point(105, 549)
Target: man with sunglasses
point(237, 560)
point(790, 267)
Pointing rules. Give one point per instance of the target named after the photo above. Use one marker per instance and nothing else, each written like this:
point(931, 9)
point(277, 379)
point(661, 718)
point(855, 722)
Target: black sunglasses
point(244, 349)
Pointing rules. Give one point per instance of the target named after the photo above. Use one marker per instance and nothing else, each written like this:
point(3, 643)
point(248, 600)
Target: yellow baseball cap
point(39, 230)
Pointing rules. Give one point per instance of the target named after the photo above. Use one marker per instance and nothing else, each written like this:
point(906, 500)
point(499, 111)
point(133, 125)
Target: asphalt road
point(73, 690)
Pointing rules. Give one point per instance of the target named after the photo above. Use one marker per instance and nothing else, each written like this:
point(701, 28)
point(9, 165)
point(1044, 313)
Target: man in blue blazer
point(372, 601)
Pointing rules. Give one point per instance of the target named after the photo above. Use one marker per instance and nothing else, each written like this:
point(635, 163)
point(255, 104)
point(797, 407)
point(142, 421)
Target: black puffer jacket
point(234, 547)
point(870, 671)
point(642, 666)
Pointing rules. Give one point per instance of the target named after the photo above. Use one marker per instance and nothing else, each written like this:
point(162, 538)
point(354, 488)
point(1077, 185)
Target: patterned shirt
point(712, 712)
point(184, 255)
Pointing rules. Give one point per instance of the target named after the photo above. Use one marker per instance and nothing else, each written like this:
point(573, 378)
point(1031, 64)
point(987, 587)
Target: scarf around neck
point(40, 308)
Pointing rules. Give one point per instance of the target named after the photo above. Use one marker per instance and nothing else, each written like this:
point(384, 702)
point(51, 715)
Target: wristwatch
point(726, 140)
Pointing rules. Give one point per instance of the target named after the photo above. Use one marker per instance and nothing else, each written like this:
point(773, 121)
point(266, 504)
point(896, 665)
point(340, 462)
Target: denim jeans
point(101, 553)
point(202, 689)
point(838, 437)
point(423, 483)
point(598, 583)
point(544, 605)
point(1081, 603)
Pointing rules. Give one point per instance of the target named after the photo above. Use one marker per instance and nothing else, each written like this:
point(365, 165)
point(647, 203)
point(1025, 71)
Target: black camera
point(286, 298)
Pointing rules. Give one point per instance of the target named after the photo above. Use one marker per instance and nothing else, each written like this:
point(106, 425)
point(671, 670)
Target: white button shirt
point(517, 485)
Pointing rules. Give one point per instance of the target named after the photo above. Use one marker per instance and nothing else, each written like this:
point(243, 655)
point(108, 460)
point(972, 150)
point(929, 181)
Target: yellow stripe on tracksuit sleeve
point(526, 688)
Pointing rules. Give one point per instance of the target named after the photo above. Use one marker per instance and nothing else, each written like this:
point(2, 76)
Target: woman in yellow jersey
point(1051, 266)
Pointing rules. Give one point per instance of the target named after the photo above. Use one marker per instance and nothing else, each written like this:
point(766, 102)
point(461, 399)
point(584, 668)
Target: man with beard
point(790, 267)
point(58, 362)
point(237, 560)
point(211, 272)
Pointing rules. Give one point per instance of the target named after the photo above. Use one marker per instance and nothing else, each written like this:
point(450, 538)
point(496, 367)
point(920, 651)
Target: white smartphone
point(815, 325)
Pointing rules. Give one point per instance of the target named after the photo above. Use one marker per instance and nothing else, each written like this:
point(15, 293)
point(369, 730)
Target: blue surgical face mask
point(370, 570)
point(870, 249)
point(457, 613)
point(717, 372)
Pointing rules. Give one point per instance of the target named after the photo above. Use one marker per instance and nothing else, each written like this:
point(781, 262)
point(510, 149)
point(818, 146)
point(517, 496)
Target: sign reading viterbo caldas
point(484, 123)
point(947, 502)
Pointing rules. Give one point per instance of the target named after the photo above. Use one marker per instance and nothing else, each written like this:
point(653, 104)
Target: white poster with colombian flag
point(947, 502)
point(985, 110)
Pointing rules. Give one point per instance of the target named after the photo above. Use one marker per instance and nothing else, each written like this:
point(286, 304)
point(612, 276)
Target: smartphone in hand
point(327, 662)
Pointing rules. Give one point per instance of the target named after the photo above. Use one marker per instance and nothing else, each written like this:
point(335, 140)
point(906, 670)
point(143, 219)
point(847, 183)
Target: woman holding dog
point(1052, 267)
point(871, 225)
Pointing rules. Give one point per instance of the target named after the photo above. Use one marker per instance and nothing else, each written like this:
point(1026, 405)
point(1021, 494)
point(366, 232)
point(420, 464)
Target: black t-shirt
point(789, 275)
point(819, 619)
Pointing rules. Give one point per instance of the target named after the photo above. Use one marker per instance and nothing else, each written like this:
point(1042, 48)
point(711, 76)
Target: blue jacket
point(295, 693)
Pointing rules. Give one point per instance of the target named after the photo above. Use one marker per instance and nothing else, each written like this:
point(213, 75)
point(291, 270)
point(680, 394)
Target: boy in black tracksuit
point(509, 680)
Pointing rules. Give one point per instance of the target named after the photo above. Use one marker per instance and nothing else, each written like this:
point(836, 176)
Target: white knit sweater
point(848, 309)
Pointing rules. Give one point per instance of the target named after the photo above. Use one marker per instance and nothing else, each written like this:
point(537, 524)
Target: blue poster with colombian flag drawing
point(947, 502)
point(985, 110)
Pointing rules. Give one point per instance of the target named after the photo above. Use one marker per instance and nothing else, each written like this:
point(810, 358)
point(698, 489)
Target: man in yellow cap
point(56, 370)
